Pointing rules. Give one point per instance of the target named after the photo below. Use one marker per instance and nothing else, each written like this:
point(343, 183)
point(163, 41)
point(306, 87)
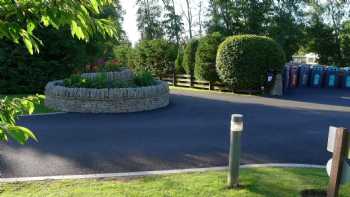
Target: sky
point(130, 8)
point(129, 23)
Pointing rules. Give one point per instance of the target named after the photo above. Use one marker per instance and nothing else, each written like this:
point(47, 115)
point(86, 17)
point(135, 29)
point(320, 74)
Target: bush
point(143, 78)
point(189, 56)
point(179, 69)
point(99, 82)
point(156, 56)
point(22, 73)
point(244, 61)
point(60, 57)
point(121, 53)
point(105, 66)
point(205, 68)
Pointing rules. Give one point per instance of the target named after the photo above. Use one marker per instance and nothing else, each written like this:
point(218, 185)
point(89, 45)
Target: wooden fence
point(188, 81)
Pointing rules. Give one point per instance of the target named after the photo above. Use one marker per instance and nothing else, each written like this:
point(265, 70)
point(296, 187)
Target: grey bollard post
point(235, 149)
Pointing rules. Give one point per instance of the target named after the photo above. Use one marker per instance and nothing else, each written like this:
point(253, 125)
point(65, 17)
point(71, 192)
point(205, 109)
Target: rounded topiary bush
point(205, 68)
point(157, 56)
point(189, 56)
point(244, 61)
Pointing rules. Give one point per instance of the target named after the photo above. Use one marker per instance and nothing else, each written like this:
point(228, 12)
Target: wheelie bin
point(317, 74)
point(304, 75)
point(332, 77)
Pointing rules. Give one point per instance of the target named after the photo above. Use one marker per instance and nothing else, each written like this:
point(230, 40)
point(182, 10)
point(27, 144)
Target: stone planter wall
point(114, 100)
point(125, 74)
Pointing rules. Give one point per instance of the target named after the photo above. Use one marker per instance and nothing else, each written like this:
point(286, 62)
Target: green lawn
point(255, 182)
point(38, 108)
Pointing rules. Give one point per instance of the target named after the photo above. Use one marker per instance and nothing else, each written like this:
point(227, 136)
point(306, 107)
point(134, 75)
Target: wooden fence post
point(191, 81)
point(339, 152)
point(174, 78)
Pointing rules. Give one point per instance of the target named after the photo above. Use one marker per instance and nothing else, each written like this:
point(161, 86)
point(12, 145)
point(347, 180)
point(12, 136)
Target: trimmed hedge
point(179, 69)
point(156, 56)
point(205, 66)
point(189, 56)
point(22, 73)
point(244, 61)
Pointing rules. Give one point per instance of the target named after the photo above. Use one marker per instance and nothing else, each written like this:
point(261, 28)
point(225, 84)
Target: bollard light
point(237, 122)
point(235, 149)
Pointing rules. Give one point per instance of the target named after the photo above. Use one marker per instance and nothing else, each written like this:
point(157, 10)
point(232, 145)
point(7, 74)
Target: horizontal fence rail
point(188, 81)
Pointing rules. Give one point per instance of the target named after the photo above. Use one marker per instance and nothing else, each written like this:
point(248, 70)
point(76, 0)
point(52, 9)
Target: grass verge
point(255, 182)
point(39, 108)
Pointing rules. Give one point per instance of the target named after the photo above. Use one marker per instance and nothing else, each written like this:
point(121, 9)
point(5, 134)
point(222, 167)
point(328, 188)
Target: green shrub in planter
point(143, 78)
point(156, 56)
point(178, 62)
point(243, 61)
point(205, 68)
point(189, 56)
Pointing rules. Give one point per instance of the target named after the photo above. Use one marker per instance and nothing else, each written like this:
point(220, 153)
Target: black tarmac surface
point(193, 131)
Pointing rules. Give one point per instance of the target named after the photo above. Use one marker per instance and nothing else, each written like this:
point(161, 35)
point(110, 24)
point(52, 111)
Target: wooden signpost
point(338, 168)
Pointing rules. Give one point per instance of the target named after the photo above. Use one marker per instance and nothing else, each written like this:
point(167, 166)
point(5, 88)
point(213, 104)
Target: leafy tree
point(237, 17)
point(345, 43)
point(189, 18)
point(224, 17)
point(172, 22)
point(156, 56)
point(321, 37)
point(9, 111)
point(255, 15)
point(101, 46)
point(286, 26)
point(20, 19)
point(148, 19)
point(325, 30)
point(121, 53)
point(178, 62)
point(336, 12)
point(189, 57)
point(321, 40)
point(61, 56)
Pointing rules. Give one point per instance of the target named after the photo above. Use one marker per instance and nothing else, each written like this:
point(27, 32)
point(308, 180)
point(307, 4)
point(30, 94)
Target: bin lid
point(332, 68)
point(317, 67)
point(305, 65)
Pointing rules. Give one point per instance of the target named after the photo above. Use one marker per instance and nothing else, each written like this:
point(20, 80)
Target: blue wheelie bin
point(317, 73)
point(304, 75)
point(346, 77)
point(332, 77)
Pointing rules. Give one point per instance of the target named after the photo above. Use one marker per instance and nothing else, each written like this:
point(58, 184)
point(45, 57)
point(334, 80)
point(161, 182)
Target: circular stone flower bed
point(107, 100)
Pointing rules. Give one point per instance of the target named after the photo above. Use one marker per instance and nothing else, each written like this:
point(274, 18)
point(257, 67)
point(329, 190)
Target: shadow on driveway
point(193, 131)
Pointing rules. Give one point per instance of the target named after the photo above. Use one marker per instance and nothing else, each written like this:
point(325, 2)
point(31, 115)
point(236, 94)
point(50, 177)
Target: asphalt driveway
point(191, 132)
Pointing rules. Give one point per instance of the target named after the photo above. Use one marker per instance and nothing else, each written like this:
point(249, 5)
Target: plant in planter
point(105, 66)
point(141, 78)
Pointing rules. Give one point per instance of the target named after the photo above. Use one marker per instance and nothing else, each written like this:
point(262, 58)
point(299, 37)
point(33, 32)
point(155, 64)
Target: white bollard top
point(237, 122)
